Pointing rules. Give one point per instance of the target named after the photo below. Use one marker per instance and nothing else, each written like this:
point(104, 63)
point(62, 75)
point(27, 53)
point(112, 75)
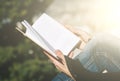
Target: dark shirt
point(81, 74)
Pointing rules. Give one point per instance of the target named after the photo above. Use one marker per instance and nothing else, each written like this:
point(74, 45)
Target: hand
point(60, 66)
point(84, 36)
point(79, 32)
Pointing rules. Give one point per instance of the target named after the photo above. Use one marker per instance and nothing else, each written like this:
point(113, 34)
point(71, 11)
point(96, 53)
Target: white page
point(56, 34)
point(31, 34)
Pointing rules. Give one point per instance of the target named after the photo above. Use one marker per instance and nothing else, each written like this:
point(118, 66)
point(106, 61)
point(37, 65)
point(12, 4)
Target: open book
point(49, 35)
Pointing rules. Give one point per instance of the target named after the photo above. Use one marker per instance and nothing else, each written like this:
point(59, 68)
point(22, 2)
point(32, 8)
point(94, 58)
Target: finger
point(50, 57)
point(60, 67)
point(71, 55)
point(60, 55)
point(82, 45)
point(69, 27)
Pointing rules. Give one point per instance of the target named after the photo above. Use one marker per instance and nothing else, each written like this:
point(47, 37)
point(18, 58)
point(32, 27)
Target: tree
point(16, 10)
point(21, 59)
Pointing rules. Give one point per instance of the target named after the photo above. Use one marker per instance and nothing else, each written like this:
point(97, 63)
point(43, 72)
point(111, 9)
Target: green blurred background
point(21, 59)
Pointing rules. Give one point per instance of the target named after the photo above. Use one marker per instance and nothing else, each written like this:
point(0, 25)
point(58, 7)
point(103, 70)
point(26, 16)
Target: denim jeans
point(101, 53)
point(62, 77)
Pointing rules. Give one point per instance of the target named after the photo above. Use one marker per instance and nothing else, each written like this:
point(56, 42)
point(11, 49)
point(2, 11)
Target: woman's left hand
point(60, 65)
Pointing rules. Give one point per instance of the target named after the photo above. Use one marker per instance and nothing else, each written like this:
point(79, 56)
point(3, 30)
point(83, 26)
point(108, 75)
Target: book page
point(56, 34)
point(35, 37)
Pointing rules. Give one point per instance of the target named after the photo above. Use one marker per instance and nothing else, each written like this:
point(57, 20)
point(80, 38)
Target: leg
point(102, 52)
point(62, 77)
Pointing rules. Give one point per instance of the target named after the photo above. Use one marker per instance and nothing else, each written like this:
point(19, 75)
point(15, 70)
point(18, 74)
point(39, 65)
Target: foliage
point(21, 59)
point(24, 63)
point(12, 11)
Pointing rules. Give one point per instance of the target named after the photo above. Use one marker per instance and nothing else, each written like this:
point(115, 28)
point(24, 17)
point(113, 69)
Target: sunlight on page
point(35, 37)
point(56, 34)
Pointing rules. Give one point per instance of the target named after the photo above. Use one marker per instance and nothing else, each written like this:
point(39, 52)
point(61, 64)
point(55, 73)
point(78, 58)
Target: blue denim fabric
point(62, 77)
point(101, 53)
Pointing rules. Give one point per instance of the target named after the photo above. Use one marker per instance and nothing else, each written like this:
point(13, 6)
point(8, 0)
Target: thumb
point(59, 54)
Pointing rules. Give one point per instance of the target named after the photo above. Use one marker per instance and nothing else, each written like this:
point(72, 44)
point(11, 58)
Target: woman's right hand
point(84, 36)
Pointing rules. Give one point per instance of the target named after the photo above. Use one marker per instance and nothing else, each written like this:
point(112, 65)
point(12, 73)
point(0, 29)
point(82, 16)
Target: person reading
point(98, 61)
